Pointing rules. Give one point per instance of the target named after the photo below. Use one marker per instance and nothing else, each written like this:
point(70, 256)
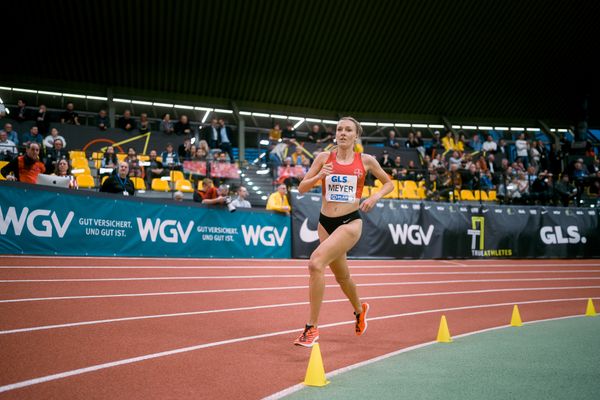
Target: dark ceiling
point(477, 59)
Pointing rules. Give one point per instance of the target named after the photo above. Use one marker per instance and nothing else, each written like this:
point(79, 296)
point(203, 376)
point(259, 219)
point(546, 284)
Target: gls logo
point(413, 233)
point(339, 179)
point(554, 235)
point(266, 235)
point(169, 230)
point(29, 219)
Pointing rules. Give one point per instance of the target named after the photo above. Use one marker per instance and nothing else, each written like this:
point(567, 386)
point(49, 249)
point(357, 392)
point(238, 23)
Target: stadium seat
point(467, 195)
point(176, 175)
point(121, 156)
point(200, 185)
point(103, 179)
point(492, 195)
point(2, 164)
point(79, 162)
point(143, 157)
point(77, 154)
point(160, 186)
point(97, 159)
point(184, 185)
point(83, 170)
point(85, 181)
point(366, 192)
point(138, 183)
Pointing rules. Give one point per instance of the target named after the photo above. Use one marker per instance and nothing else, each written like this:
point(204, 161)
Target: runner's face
point(346, 133)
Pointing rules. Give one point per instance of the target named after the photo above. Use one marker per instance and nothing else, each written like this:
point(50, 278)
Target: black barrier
point(396, 229)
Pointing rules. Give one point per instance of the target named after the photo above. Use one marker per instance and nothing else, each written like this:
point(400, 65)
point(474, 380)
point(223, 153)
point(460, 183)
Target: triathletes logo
point(33, 220)
point(555, 235)
point(306, 234)
point(477, 233)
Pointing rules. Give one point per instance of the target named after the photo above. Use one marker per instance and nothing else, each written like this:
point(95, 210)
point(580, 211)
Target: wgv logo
point(169, 230)
point(555, 235)
point(47, 219)
point(412, 233)
point(266, 235)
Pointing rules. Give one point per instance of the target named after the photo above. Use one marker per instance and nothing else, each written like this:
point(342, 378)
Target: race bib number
point(341, 188)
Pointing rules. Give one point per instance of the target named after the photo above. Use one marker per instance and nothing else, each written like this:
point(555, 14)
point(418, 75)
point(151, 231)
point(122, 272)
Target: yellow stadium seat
point(83, 170)
point(97, 159)
point(184, 185)
point(2, 164)
point(421, 193)
point(366, 192)
point(103, 179)
point(467, 195)
point(200, 185)
point(85, 181)
point(78, 162)
point(159, 159)
point(176, 175)
point(121, 156)
point(492, 195)
point(77, 154)
point(160, 186)
point(138, 183)
point(143, 157)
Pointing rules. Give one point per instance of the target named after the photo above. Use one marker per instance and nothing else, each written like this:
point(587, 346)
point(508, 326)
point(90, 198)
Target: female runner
point(342, 172)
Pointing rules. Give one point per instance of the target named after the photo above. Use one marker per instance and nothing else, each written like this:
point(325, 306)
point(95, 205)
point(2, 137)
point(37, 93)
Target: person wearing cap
point(436, 145)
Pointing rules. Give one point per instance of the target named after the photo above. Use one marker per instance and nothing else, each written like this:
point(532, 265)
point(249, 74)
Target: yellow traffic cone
point(443, 333)
point(590, 310)
point(315, 373)
point(516, 317)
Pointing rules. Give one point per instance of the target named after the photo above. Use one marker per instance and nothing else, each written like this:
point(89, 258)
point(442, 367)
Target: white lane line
point(300, 386)
point(182, 314)
point(102, 296)
point(180, 278)
point(302, 267)
point(65, 374)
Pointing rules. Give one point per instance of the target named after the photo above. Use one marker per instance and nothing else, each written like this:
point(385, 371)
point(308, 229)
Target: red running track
point(189, 329)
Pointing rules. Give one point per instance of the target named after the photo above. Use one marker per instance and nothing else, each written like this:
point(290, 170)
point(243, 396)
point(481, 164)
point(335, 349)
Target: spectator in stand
point(448, 141)
point(119, 182)
point(25, 168)
point(502, 150)
point(411, 142)
point(183, 127)
point(471, 178)
point(63, 169)
point(178, 195)
point(289, 134)
point(211, 133)
point(42, 120)
point(461, 144)
point(225, 135)
point(541, 189)
point(555, 159)
point(109, 160)
point(475, 143)
point(144, 123)
point(20, 113)
point(169, 158)
point(543, 155)
point(49, 140)
point(278, 201)
point(437, 162)
point(208, 191)
point(69, 116)
point(127, 122)
point(314, 135)
point(166, 125)
point(55, 154)
point(184, 149)
point(328, 136)
point(486, 181)
point(299, 155)
point(8, 149)
point(33, 136)
point(455, 159)
point(155, 169)
point(200, 155)
point(397, 163)
point(275, 133)
point(203, 144)
point(135, 168)
point(580, 171)
point(391, 140)
point(455, 177)
point(13, 136)
point(222, 195)
point(522, 147)
point(565, 191)
point(489, 146)
point(436, 145)
point(412, 172)
point(534, 154)
point(419, 142)
point(240, 201)
point(102, 121)
point(385, 161)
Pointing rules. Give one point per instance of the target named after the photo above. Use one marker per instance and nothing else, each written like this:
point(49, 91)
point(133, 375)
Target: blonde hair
point(357, 125)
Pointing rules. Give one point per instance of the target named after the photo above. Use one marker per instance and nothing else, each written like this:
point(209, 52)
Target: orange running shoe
point(308, 338)
point(361, 320)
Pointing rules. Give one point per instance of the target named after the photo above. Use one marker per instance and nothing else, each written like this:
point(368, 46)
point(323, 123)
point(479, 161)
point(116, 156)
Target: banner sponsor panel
point(63, 222)
point(441, 230)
